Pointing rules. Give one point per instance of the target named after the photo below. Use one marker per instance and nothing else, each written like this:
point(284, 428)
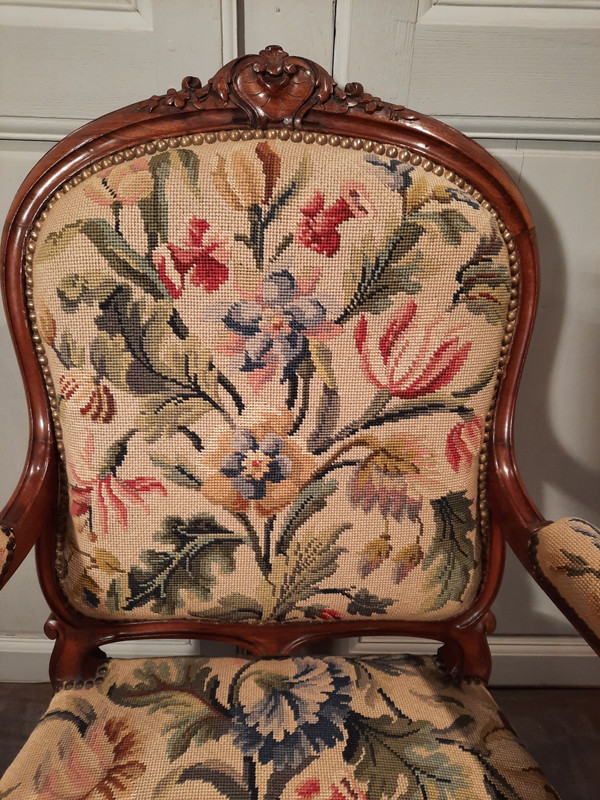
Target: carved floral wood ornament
point(252, 130)
point(275, 88)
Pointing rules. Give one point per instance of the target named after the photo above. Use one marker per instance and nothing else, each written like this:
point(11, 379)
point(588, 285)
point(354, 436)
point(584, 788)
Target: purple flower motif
point(396, 175)
point(461, 197)
point(251, 464)
point(274, 328)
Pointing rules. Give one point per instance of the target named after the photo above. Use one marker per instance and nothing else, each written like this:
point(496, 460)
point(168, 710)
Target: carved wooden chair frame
point(266, 95)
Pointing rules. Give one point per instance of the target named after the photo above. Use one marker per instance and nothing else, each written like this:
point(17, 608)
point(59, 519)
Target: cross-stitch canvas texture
point(274, 363)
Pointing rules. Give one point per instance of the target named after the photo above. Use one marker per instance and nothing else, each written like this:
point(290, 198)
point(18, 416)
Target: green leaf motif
point(185, 690)
point(110, 358)
point(178, 472)
point(365, 604)
point(577, 566)
point(57, 242)
point(198, 543)
point(452, 223)
point(154, 208)
point(321, 357)
point(162, 415)
point(221, 775)
point(115, 455)
point(296, 575)
point(190, 163)
point(234, 607)
point(387, 752)
point(484, 281)
point(86, 287)
point(311, 500)
point(381, 274)
point(70, 353)
point(326, 420)
point(480, 382)
point(451, 551)
point(123, 259)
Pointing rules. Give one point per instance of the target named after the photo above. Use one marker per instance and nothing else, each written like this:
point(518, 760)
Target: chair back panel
point(274, 362)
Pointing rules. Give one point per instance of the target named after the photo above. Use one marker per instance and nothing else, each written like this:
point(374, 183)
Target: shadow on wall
point(547, 467)
point(542, 458)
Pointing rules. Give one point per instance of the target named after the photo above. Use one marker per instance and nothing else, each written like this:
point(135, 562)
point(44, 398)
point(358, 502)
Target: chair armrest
point(564, 559)
point(542, 546)
point(31, 511)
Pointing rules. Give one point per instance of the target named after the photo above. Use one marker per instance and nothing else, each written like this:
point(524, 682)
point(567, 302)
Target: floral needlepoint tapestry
point(274, 361)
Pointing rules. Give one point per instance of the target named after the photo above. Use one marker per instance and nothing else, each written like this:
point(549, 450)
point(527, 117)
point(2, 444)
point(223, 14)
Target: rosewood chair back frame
point(270, 94)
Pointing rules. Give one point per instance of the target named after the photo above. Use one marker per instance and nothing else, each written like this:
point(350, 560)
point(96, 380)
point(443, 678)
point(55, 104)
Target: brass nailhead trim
point(307, 137)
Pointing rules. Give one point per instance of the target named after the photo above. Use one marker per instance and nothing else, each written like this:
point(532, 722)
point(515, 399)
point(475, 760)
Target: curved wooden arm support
point(30, 511)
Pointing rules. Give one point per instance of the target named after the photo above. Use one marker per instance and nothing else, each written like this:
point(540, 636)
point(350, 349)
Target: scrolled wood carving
point(274, 88)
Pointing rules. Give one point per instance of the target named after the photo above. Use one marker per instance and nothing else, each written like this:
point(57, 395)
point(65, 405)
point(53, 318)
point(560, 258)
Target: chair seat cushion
point(316, 728)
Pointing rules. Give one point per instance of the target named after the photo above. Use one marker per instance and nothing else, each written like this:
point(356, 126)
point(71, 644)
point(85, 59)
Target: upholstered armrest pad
point(7, 545)
point(565, 558)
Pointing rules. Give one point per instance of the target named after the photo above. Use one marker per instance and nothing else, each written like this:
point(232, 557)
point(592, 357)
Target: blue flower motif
point(461, 197)
point(395, 174)
point(253, 464)
point(277, 328)
point(293, 711)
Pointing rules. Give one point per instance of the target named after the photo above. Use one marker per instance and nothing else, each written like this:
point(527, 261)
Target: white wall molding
point(341, 42)
point(129, 15)
point(38, 129)
point(562, 4)
point(25, 659)
point(85, 5)
point(539, 128)
point(516, 660)
point(229, 30)
point(53, 129)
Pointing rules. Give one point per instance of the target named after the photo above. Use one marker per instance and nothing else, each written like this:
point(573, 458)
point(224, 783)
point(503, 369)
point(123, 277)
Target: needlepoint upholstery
point(274, 362)
point(325, 728)
point(566, 556)
point(6, 547)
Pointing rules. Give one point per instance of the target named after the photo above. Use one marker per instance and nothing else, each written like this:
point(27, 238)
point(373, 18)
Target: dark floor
point(559, 727)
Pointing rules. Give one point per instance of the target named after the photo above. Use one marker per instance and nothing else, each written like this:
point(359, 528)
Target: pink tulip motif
point(414, 360)
point(463, 443)
point(107, 495)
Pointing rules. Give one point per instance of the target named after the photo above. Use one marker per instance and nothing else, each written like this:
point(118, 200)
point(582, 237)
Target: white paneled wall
point(521, 76)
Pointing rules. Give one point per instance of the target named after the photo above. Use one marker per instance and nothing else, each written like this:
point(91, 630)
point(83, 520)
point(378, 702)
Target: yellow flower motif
point(374, 554)
point(46, 323)
point(257, 465)
point(406, 560)
point(126, 183)
point(247, 180)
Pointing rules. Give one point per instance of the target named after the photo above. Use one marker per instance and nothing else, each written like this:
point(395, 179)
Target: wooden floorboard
point(559, 727)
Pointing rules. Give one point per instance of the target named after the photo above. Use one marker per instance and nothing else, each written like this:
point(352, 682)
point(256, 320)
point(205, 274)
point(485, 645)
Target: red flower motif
point(93, 399)
point(464, 442)
point(309, 788)
point(413, 365)
point(199, 257)
point(344, 789)
point(330, 614)
point(319, 228)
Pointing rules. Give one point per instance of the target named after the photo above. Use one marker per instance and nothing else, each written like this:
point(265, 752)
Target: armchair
point(271, 333)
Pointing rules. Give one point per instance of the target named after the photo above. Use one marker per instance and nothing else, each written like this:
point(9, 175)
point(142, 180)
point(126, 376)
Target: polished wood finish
point(271, 90)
